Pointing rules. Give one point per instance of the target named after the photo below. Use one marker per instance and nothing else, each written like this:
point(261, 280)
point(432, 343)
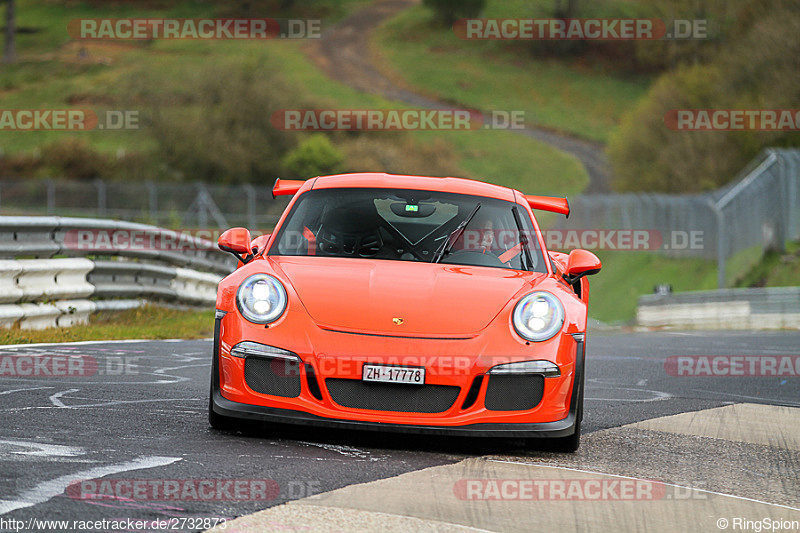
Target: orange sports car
point(404, 303)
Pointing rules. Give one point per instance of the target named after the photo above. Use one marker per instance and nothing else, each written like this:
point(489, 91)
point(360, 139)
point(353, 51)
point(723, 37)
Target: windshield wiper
point(444, 249)
point(523, 240)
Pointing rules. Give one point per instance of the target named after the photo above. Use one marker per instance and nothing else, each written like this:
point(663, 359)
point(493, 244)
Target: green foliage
point(448, 11)
point(221, 132)
point(758, 71)
point(315, 156)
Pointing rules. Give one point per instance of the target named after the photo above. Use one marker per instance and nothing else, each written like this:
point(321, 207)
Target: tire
point(572, 443)
point(216, 420)
point(569, 444)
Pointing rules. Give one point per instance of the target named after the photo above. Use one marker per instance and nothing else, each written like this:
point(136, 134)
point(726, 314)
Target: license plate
point(393, 374)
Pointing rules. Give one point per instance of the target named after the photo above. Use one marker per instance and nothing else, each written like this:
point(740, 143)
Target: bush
point(448, 11)
point(215, 125)
point(315, 156)
point(73, 158)
point(398, 153)
point(759, 71)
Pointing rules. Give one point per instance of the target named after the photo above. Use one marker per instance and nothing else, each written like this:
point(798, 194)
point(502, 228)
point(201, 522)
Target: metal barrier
point(38, 290)
point(755, 308)
point(170, 204)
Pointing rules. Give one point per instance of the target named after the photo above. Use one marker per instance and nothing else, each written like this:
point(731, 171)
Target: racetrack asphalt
point(149, 423)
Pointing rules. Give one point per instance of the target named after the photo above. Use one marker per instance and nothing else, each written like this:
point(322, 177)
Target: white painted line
point(55, 399)
point(81, 343)
point(54, 487)
point(44, 450)
point(21, 390)
point(743, 498)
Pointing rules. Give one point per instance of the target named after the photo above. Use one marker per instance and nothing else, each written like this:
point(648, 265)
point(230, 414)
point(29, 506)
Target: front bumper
point(558, 428)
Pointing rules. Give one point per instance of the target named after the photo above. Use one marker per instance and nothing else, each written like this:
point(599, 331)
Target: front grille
point(277, 377)
point(514, 392)
point(399, 397)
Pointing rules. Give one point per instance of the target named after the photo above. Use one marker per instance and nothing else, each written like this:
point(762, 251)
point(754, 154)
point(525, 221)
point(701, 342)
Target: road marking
point(83, 343)
point(44, 450)
point(20, 390)
point(348, 451)
point(55, 399)
point(46, 490)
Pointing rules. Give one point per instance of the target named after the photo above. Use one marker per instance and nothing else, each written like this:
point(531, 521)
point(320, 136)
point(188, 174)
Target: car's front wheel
point(571, 443)
point(216, 420)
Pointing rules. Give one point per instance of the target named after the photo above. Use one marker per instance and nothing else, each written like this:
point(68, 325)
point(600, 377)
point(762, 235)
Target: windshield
point(410, 225)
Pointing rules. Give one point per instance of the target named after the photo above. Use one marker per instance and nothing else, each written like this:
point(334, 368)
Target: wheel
point(571, 443)
point(216, 420)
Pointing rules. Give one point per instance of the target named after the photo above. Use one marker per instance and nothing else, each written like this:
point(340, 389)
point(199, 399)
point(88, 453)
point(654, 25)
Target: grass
point(148, 322)
point(776, 269)
point(626, 275)
point(54, 77)
point(583, 99)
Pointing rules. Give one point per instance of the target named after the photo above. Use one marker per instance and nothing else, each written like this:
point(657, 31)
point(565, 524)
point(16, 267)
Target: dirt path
point(343, 53)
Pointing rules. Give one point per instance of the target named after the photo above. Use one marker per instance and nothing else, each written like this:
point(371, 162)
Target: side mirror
point(237, 242)
point(581, 263)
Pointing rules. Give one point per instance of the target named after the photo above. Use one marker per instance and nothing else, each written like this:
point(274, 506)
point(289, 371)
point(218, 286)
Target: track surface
point(150, 423)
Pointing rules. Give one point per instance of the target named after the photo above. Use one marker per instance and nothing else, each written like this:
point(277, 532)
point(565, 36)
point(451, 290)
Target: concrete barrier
point(752, 308)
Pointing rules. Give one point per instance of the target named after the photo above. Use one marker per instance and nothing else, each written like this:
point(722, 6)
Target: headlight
point(261, 299)
point(538, 316)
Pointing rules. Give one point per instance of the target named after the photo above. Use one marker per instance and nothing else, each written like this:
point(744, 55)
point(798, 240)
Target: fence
point(38, 290)
point(760, 209)
point(166, 204)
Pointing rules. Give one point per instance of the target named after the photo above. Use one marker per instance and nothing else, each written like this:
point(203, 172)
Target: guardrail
point(38, 290)
point(752, 308)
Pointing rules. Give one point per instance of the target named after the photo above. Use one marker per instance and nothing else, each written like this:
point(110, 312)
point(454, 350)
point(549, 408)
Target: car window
point(408, 225)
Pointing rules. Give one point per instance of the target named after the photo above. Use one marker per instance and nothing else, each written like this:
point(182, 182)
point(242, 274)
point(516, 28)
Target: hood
point(364, 295)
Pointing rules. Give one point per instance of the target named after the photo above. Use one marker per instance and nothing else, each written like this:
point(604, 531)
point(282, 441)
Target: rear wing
point(286, 187)
point(548, 203)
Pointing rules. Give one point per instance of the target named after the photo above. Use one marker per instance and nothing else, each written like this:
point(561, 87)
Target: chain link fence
point(175, 205)
point(758, 210)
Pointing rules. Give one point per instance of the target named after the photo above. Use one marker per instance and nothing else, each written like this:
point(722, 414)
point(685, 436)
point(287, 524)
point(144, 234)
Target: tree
point(10, 54)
